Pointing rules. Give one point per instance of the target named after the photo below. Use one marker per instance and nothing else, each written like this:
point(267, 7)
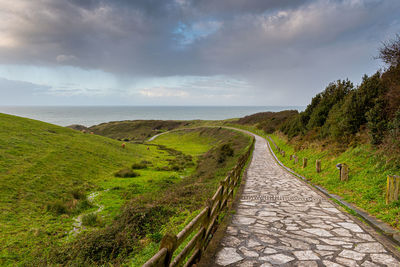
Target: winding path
point(281, 221)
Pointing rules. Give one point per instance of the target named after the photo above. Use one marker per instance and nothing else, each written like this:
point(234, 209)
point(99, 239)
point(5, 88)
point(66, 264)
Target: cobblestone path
point(281, 221)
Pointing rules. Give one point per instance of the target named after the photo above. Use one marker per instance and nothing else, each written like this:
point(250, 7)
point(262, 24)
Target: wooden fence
point(203, 225)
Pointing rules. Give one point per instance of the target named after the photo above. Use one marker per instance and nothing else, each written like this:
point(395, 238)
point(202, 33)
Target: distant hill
point(268, 121)
point(136, 130)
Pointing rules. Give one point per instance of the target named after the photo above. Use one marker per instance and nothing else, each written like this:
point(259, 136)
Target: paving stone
point(352, 255)
point(227, 256)
point(352, 227)
point(277, 259)
point(385, 259)
point(307, 264)
point(269, 251)
point(368, 264)
point(306, 255)
point(370, 247)
point(248, 253)
point(346, 262)
point(318, 232)
point(252, 243)
point(331, 264)
point(342, 232)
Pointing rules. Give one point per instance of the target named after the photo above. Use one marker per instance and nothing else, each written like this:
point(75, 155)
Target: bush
point(224, 152)
point(78, 194)
point(126, 173)
point(58, 207)
point(137, 166)
point(90, 219)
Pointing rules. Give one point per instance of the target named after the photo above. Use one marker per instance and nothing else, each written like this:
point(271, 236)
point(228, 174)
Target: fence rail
point(203, 225)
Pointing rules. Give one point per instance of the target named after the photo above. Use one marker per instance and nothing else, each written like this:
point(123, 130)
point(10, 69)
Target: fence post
point(296, 159)
point(291, 157)
point(344, 172)
point(392, 188)
point(304, 162)
point(168, 242)
point(283, 153)
point(318, 165)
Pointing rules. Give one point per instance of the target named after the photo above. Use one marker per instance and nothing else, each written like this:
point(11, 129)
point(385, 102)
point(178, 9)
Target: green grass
point(47, 172)
point(367, 176)
point(41, 165)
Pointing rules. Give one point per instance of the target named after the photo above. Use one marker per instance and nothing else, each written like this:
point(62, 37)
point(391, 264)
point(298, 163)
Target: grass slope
point(45, 169)
point(47, 172)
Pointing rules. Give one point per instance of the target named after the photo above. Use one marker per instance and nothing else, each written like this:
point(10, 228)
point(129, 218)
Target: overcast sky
point(186, 52)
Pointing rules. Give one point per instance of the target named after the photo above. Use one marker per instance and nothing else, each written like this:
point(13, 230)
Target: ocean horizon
point(93, 115)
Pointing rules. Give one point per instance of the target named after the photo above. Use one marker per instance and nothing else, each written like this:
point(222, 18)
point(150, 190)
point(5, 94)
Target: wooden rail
point(202, 226)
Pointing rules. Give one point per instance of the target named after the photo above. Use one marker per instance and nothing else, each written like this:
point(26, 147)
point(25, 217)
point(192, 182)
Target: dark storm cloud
point(272, 44)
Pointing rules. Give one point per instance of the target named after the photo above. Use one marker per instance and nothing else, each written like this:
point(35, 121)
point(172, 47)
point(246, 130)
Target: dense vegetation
point(345, 114)
point(126, 197)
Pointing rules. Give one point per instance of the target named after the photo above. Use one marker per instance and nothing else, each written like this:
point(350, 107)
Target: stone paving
point(281, 221)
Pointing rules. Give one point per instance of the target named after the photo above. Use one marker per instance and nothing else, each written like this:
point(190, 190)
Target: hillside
point(45, 170)
point(50, 176)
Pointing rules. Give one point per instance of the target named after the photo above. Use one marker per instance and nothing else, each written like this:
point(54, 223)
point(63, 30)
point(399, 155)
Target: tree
point(390, 51)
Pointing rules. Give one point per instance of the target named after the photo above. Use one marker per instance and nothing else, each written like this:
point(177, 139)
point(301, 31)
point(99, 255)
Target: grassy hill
point(45, 172)
point(50, 175)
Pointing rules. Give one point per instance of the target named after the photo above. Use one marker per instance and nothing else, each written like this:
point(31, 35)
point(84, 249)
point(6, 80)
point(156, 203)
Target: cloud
point(283, 50)
point(65, 58)
point(163, 92)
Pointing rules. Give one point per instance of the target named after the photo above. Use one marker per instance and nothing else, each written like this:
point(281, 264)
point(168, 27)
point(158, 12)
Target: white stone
point(252, 243)
point(342, 232)
point(231, 241)
point(365, 237)
point(243, 220)
point(248, 253)
point(369, 264)
point(277, 259)
point(346, 262)
point(331, 264)
point(385, 259)
point(318, 232)
point(266, 265)
point(352, 227)
point(352, 255)
point(307, 264)
point(266, 213)
point(269, 251)
point(374, 247)
point(306, 255)
point(326, 247)
point(227, 256)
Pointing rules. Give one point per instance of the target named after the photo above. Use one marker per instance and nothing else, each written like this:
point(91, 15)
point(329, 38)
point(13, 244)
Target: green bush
point(58, 207)
point(137, 166)
point(126, 173)
point(90, 219)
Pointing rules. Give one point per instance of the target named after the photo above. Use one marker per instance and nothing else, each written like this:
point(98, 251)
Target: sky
point(187, 52)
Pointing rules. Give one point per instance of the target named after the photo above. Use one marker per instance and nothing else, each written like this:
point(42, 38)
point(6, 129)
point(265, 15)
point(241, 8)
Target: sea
point(93, 115)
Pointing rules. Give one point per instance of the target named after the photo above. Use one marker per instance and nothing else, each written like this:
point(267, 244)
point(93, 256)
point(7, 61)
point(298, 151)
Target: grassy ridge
point(44, 172)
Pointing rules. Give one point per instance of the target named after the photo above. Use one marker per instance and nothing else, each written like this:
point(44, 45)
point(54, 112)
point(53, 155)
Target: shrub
point(137, 166)
point(58, 207)
point(90, 219)
point(126, 173)
point(78, 194)
point(224, 152)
